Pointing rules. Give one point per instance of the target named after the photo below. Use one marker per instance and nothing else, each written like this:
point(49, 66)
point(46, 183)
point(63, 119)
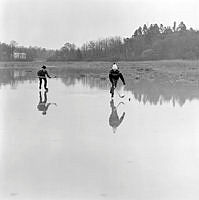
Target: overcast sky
point(51, 23)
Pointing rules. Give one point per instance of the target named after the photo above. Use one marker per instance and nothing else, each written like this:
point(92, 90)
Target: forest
point(153, 42)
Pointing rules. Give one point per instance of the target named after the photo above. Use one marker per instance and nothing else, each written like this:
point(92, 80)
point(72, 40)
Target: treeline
point(152, 42)
point(104, 49)
point(32, 53)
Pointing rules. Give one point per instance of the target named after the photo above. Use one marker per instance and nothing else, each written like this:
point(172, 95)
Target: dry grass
point(169, 70)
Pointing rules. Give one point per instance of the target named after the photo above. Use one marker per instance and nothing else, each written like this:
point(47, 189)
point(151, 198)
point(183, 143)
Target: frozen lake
point(73, 142)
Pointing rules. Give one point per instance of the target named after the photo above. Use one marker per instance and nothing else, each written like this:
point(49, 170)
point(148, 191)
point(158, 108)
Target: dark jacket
point(114, 75)
point(42, 74)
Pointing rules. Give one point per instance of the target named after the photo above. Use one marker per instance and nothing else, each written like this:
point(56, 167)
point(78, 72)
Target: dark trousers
point(45, 82)
point(113, 86)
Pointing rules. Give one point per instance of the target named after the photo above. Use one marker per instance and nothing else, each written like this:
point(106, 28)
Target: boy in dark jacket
point(42, 75)
point(114, 75)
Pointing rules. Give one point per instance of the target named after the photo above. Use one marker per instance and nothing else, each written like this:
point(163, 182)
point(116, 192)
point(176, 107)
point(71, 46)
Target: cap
point(114, 67)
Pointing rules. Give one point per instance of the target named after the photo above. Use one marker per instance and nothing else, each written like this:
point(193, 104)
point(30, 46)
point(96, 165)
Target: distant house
point(19, 56)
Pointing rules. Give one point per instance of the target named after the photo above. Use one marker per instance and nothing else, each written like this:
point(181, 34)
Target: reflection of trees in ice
point(156, 93)
point(93, 82)
point(159, 99)
point(145, 91)
point(87, 77)
point(68, 80)
point(14, 76)
point(85, 80)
